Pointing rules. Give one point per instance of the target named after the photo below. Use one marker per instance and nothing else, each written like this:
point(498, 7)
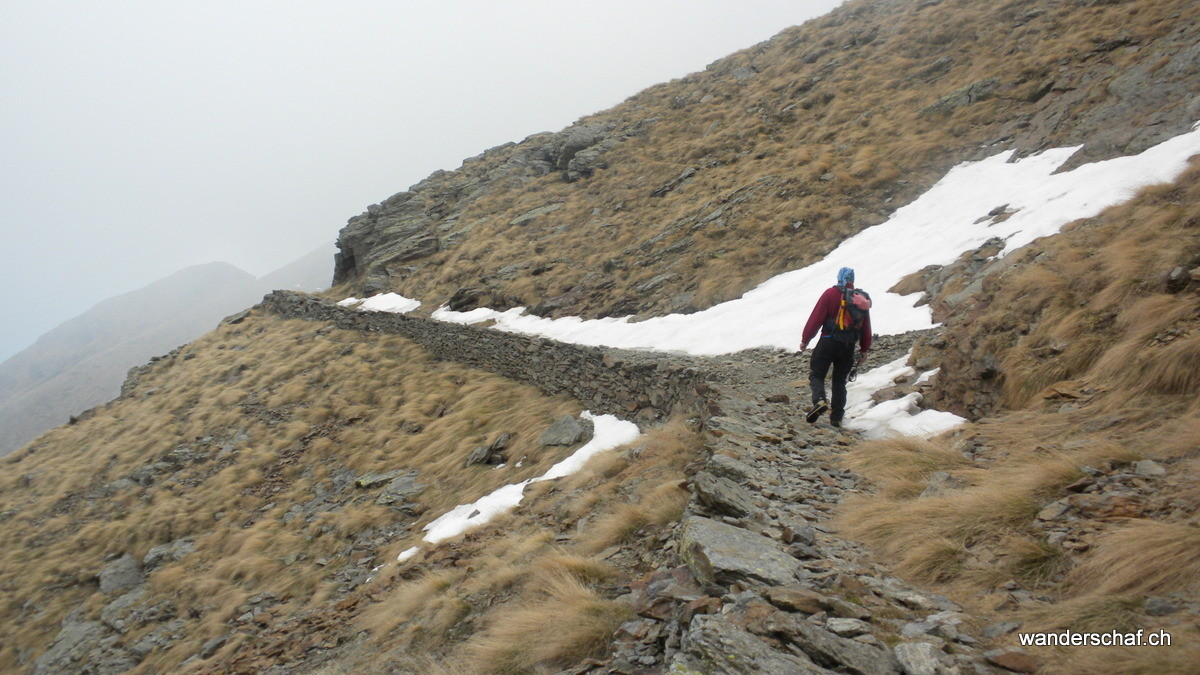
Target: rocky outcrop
point(392, 238)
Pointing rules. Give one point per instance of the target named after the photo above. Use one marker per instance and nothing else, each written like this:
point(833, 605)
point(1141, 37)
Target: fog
point(138, 138)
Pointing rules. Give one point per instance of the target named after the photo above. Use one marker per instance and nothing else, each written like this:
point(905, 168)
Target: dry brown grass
point(1142, 558)
point(530, 573)
point(294, 404)
point(1088, 313)
point(931, 538)
point(1178, 658)
point(567, 625)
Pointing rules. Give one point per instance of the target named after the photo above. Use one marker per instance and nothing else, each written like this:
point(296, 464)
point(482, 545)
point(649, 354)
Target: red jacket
point(826, 310)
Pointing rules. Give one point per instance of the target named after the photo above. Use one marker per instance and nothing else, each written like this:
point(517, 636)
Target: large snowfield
point(948, 220)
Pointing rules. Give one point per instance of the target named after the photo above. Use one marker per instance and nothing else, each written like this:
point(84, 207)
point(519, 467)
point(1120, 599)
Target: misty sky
point(140, 137)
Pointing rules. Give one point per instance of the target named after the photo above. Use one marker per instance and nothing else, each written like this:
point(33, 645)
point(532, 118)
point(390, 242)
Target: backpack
point(846, 326)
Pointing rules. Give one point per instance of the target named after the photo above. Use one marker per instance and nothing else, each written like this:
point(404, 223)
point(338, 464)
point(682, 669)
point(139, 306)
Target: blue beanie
point(845, 276)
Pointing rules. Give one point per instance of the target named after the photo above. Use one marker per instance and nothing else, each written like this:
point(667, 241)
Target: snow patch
point(610, 432)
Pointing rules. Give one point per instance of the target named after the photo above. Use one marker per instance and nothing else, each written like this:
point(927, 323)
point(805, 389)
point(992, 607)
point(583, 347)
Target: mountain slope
point(694, 191)
point(223, 515)
point(82, 362)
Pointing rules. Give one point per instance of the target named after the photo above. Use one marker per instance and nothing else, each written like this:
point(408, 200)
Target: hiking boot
point(814, 413)
point(837, 424)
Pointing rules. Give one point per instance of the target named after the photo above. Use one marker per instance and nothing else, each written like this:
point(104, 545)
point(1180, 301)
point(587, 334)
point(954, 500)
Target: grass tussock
point(931, 537)
point(568, 624)
point(1142, 558)
point(900, 466)
point(1178, 658)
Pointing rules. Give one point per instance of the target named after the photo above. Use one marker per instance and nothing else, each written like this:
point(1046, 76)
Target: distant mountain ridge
point(82, 362)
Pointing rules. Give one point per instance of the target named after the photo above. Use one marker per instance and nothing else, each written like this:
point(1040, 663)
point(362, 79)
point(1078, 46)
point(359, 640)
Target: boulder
point(922, 658)
point(717, 553)
point(798, 599)
point(401, 489)
point(712, 645)
point(167, 553)
point(567, 430)
point(71, 647)
point(723, 496)
point(131, 611)
point(725, 466)
point(124, 572)
point(831, 651)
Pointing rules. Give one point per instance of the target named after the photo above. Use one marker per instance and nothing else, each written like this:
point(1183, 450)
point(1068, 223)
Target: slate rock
point(167, 553)
point(122, 573)
point(374, 479)
point(797, 599)
point(996, 630)
point(717, 553)
point(71, 647)
point(832, 651)
point(922, 658)
point(848, 627)
point(209, 648)
point(117, 613)
point(1012, 659)
point(713, 645)
point(722, 496)
point(567, 430)
point(724, 466)
point(478, 456)
point(160, 638)
point(1149, 468)
point(401, 489)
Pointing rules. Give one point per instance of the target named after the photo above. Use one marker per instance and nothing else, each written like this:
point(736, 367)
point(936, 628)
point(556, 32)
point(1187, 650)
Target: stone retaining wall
point(628, 384)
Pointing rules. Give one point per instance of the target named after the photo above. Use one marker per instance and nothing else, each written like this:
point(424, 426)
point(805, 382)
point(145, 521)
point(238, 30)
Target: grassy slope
point(312, 402)
point(1099, 359)
point(294, 404)
point(827, 137)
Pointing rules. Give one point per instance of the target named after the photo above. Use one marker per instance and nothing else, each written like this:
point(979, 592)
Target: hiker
point(843, 317)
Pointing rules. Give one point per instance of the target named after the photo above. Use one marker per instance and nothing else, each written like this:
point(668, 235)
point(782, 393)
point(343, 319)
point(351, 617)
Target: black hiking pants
point(841, 356)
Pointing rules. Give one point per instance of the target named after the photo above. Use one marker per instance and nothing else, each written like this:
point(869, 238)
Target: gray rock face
point(85, 647)
point(125, 572)
point(722, 495)
point(728, 467)
point(70, 646)
point(369, 481)
point(130, 611)
point(715, 646)
point(976, 91)
point(568, 430)
point(167, 553)
point(922, 658)
point(718, 553)
point(400, 490)
point(832, 651)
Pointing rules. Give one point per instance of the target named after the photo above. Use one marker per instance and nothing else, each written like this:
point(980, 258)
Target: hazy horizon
point(142, 138)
